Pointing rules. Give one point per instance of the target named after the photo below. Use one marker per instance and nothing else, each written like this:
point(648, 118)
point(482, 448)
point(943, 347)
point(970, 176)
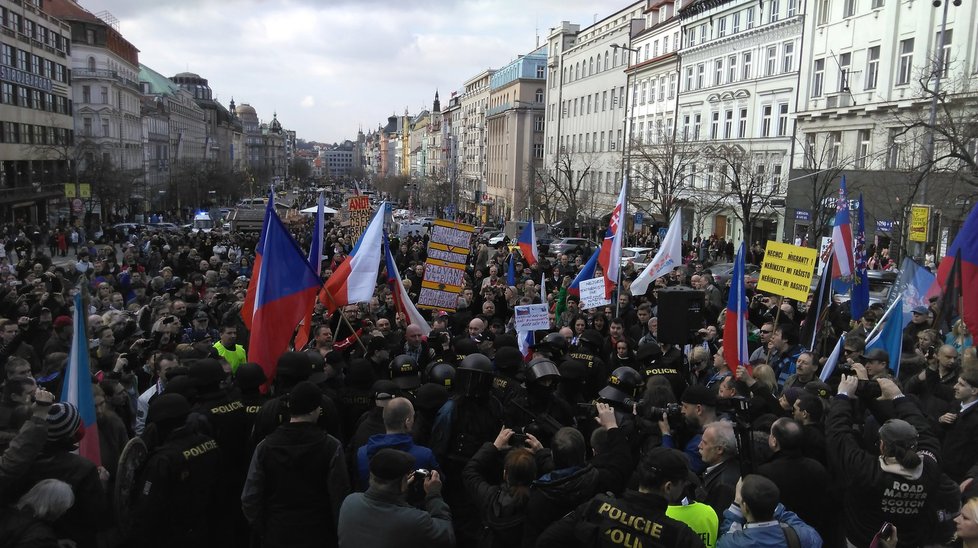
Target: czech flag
point(965, 246)
point(610, 257)
point(401, 299)
point(77, 389)
point(285, 287)
point(316, 262)
point(355, 280)
point(528, 243)
point(586, 273)
point(735, 326)
point(248, 308)
point(525, 341)
point(844, 266)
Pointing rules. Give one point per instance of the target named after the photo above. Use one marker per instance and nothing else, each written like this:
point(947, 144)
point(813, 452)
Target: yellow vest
point(234, 357)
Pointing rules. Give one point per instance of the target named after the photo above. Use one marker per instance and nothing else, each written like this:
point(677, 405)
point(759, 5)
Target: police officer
point(638, 518)
point(588, 350)
point(441, 374)
point(176, 488)
point(406, 374)
point(229, 426)
point(248, 380)
point(472, 416)
point(541, 412)
point(553, 346)
point(507, 383)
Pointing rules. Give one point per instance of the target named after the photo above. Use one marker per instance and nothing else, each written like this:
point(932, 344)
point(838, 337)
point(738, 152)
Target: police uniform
point(633, 520)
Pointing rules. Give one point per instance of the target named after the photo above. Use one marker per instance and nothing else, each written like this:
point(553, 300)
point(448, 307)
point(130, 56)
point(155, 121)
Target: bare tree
point(564, 190)
point(662, 173)
point(747, 179)
point(823, 164)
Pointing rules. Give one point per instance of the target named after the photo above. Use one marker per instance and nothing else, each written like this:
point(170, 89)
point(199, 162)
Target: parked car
point(497, 238)
point(723, 271)
point(126, 229)
point(638, 256)
point(880, 283)
point(572, 245)
point(165, 227)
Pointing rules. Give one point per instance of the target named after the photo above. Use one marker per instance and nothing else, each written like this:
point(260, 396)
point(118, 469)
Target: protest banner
point(531, 317)
point(360, 214)
point(787, 270)
point(592, 294)
point(919, 219)
point(444, 271)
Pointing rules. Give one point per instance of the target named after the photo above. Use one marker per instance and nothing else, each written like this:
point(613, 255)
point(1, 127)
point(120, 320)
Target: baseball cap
point(304, 398)
point(876, 354)
point(920, 309)
point(898, 432)
point(670, 464)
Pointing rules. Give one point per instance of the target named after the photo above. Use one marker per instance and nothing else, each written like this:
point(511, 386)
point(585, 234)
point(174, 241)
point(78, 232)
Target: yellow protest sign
point(919, 218)
point(787, 270)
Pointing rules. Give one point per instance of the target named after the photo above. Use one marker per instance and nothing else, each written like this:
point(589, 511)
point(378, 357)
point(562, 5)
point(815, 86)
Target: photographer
point(504, 505)
point(898, 486)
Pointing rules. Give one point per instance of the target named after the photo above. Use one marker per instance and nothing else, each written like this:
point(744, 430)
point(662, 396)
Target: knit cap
point(63, 421)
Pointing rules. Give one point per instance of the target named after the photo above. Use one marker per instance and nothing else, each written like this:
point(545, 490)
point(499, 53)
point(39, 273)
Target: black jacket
point(959, 452)
point(560, 491)
point(296, 484)
point(592, 524)
point(720, 485)
point(502, 513)
point(804, 484)
point(875, 495)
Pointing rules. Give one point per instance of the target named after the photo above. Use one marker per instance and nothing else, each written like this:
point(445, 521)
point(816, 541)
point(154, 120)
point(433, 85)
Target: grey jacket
point(379, 520)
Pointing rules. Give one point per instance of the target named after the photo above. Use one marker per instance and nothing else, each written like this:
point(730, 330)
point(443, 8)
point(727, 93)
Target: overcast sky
point(330, 66)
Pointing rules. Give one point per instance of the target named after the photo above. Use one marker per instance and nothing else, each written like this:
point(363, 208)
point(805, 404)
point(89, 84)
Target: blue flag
point(890, 336)
point(511, 273)
point(859, 299)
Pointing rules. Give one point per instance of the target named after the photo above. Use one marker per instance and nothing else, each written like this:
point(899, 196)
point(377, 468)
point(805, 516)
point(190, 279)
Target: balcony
point(98, 74)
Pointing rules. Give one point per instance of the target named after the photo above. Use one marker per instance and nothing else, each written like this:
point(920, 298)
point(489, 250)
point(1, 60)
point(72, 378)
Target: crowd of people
point(379, 433)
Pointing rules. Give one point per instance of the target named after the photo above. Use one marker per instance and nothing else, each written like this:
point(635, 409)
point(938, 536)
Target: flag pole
point(886, 315)
point(343, 317)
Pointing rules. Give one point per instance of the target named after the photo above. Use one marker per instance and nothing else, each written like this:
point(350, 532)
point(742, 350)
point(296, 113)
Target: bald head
point(476, 327)
point(399, 416)
point(413, 334)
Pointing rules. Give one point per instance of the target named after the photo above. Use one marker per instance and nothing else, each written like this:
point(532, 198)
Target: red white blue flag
point(735, 326)
point(401, 299)
point(248, 308)
point(355, 280)
point(844, 266)
point(528, 243)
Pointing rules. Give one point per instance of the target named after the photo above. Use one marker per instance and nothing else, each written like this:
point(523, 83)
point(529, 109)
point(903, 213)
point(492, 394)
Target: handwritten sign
point(444, 270)
point(787, 270)
point(919, 219)
point(360, 214)
point(531, 317)
point(592, 294)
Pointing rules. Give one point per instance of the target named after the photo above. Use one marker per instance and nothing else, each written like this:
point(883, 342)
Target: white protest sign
point(532, 317)
point(592, 294)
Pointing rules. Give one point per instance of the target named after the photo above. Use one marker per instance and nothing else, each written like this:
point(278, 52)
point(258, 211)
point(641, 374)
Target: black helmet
point(508, 358)
point(405, 372)
point(477, 363)
point(591, 338)
point(474, 376)
point(555, 344)
point(541, 368)
point(626, 380)
point(441, 374)
point(249, 376)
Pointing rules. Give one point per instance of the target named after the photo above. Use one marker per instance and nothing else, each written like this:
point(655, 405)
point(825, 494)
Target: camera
point(737, 406)
point(421, 474)
point(868, 389)
point(672, 411)
point(517, 439)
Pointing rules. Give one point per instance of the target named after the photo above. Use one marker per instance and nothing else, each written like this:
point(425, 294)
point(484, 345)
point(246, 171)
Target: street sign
point(919, 218)
point(76, 205)
point(662, 232)
point(450, 211)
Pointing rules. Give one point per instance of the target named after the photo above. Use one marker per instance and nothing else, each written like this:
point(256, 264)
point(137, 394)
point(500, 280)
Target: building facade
point(864, 112)
point(515, 128)
point(107, 103)
point(36, 127)
point(472, 145)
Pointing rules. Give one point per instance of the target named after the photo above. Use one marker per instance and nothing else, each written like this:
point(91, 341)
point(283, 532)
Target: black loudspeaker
point(680, 313)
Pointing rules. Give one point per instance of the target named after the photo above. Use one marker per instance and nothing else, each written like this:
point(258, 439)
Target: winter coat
point(502, 514)
point(377, 519)
point(423, 457)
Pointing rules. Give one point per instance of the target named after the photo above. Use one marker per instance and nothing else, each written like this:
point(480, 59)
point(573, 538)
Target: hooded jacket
point(502, 513)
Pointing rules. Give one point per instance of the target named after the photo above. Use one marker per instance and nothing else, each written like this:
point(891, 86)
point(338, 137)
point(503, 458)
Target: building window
point(823, 12)
point(22, 60)
point(672, 85)
point(845, 60)
point(6, 93)
point(538, 150)
point(848, 8)
point(742, 124)
point(731, 69)
point(697, 119)
point(662, 88)
point(538, 123)
point(722, 28)
point(645, 92)
point(906, 62)
point(735, 26)
point(872, 67)
point(686, 127)
point(665, 44)
point(718, 72)
point(864, 142)
point(835, 153)
point(700, 75)
point(782, 119)
point(728, 124)
point(877, 4)
point(789, 57)
point(703, 36)
point(105, 95)
point(541, 71)
point(750, 18)
point(87, 127)
point(766, 111)
point(6, 55)
point(809, 150)
point(715, 126)
point(745, 73)
point(772, 60)
point(945, 51)
point(86, 94)
point(539, 97)
point(775, 10)
point(818, 77)
point(792, 7)
point(604, 101)
point(689, 78)
point(690, 37)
